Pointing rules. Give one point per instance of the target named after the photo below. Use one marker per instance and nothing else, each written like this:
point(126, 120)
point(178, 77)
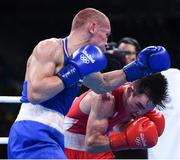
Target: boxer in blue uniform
point(54, 70)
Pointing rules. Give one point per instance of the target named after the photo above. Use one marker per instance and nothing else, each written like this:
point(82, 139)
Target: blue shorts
point(34, 140)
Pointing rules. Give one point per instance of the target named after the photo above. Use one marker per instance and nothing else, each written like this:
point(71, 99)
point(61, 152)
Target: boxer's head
point(94, 24)
point(145, 94)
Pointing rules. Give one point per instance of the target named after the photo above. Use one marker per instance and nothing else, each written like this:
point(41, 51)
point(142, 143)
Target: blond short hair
point(86, 15)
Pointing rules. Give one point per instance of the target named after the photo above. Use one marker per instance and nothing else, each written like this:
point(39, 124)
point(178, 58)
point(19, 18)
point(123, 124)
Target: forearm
point(114, 79)
point(101, 83)
point(44, 89)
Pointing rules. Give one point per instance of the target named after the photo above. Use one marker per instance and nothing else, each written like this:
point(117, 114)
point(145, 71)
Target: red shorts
point(75, 154)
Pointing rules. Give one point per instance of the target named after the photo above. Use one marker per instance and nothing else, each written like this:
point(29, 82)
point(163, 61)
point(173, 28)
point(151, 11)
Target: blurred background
point(23, 23)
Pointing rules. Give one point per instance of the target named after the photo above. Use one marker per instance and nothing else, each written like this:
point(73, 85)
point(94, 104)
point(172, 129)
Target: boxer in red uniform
point(89, 123)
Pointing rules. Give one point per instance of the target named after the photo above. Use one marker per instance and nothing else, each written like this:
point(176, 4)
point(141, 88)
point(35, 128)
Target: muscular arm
point(101, 109)
point(144, 65)
point(41, 72)
point(105, 82)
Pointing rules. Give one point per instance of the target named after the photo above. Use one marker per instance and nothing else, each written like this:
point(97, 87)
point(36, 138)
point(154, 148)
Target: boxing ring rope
point(8, 99)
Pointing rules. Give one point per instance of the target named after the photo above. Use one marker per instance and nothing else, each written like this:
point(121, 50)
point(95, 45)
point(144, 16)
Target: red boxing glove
point(140, 134)
point(158, 118)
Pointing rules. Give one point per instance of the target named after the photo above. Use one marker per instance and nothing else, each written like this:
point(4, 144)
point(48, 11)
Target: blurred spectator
point(168, 146)
point(131, 47)
point(120, 54)
point(114, 56)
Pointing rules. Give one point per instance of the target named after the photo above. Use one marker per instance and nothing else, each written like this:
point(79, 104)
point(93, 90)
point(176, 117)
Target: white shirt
point(168, 146)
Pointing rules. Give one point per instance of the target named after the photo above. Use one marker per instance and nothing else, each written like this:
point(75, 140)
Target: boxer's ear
point(91, 27)
point(130, 90)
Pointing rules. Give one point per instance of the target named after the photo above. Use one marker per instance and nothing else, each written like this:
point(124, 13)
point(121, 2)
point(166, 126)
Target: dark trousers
point(132, 154)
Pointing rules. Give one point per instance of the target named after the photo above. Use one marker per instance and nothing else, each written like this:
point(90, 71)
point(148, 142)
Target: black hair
point(131, 41)
point(155, 87)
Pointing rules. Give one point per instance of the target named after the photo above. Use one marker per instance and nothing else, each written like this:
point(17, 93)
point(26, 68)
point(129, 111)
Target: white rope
point(10, 99)
point(4, 140)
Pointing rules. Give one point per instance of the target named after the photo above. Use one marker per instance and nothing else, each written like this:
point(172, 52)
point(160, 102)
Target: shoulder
point(48, 45)
point(86, 101)
point(103, 104)
point(49, 49)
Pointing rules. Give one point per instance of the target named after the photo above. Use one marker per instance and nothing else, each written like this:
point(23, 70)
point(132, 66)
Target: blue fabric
point(62, 102)
point(33, 140)
point(24, 98)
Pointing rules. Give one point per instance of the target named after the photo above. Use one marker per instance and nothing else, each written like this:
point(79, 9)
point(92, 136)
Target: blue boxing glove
point(150, 60)
point(84, 61)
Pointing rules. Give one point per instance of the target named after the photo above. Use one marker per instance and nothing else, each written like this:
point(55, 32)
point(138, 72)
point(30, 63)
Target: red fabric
point(75, 113)
point(119, 108)
point(75, 154)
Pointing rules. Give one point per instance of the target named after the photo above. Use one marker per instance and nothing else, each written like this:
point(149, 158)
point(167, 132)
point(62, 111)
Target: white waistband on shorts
point(74, 141)
point(41, 114)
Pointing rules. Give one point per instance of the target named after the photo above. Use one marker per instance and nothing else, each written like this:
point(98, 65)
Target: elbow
point(89, 146)
point(34, 98)
point(90, 150)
